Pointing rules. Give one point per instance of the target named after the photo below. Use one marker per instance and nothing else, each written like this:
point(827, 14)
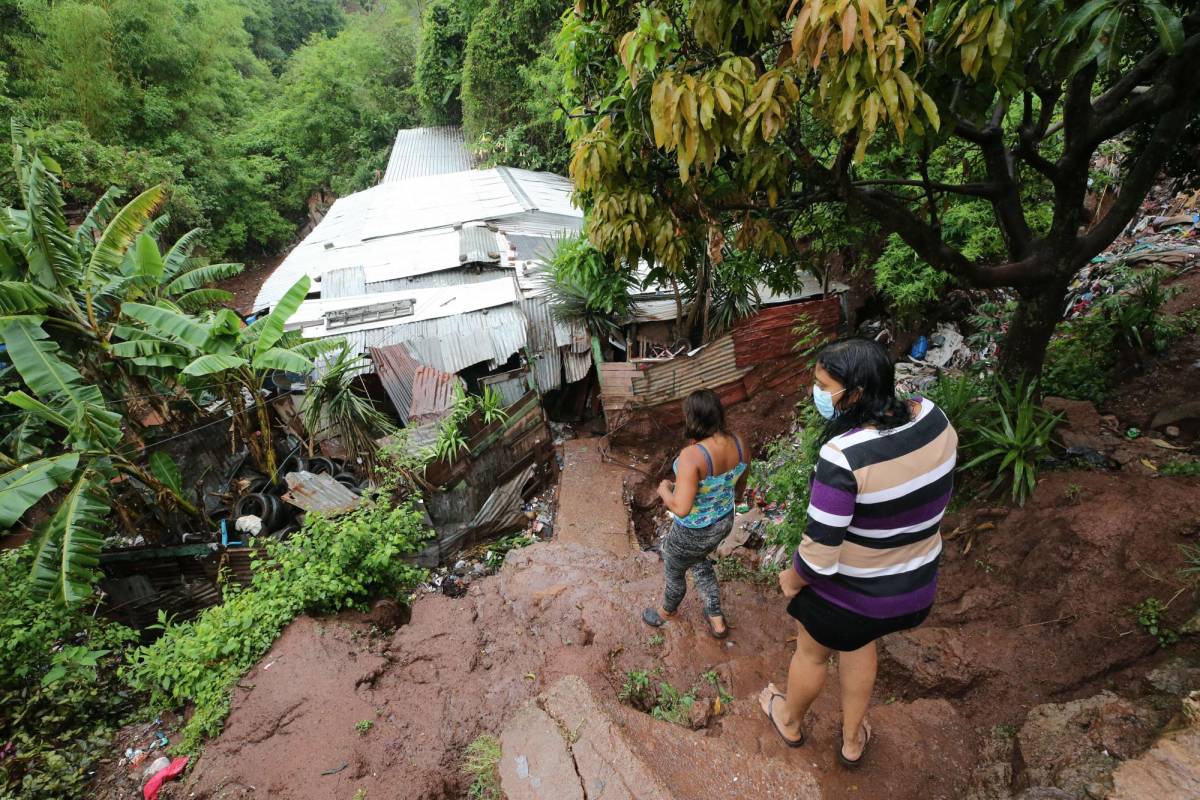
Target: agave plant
point(1016, 442)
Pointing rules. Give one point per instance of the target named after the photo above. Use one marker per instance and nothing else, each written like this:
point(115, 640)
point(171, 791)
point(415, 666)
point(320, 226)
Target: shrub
point(330, 565)
point(59, 691)
point(1013, 448)
point(1080, 360)
point(785, 477)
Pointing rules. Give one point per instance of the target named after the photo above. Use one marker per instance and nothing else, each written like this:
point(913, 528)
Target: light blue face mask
point(823, 400)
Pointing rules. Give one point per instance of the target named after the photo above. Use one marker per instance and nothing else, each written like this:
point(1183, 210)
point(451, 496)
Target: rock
point(1080, 426)
point(930, 659)
point(700, 713)
point(1176, 677)
point(1072, 745)
point(1044, 793)
point(388, 614)
point(535, 763)
point(736, 538)
point(1192, 626)
point(1170, 416)
point(1172, 431)
point(1170, 769)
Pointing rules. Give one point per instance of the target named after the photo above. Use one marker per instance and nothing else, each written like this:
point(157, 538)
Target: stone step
point(568, 744)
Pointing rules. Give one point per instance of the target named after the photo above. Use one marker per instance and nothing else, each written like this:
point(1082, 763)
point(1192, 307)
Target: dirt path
point(591, 506)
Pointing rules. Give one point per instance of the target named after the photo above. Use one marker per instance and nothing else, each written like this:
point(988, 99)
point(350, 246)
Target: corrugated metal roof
point(420, 393)
point(427, 304)
point(406, 228)
point(478, 245)
point(436, 280)
point(427, 151)
point(346, 282)
point(452, 344)
point(320, 493)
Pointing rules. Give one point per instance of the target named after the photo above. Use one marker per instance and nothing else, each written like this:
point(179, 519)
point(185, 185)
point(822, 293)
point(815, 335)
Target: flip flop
point(712, 629)
point(789, 742)
point(852, 763)
point(652, 618)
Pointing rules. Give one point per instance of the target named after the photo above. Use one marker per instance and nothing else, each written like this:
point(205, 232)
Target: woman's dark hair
point(864, 366)
point(703, 414)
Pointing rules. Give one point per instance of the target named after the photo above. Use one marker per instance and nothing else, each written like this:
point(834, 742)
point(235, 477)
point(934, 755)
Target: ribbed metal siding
point(427, 151)
point(347, 282)
point(438, 280)
point(452, 344)
point(478, 245)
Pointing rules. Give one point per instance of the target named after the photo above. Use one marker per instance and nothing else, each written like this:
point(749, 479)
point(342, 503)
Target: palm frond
point(67, 549)
point(179, 257)
point(199, 277)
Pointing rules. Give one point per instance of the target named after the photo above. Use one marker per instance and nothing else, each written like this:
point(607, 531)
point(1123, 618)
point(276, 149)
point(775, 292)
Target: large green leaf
point(21, 297)
point(272, 328)
point(179, 257)
point(49, 247)
point(147, 259)
point(168, 324)
point(1167, 24)
point(214, 362)
point(120, 233)
point(199, 299)
point(284, 360)
point(60, 386)
point(67, 549)
point(37, 408)
point(96, 219)
point(315, 348)
point(202, 276)
point(164, 468)
point(20, 488)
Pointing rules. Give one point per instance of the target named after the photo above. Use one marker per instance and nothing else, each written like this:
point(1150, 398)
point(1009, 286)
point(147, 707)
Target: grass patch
point(1180, 468)
point(732, 568)
point(482, 764)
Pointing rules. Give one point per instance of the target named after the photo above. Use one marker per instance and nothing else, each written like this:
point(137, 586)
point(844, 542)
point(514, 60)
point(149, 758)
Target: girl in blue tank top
point(710, 478)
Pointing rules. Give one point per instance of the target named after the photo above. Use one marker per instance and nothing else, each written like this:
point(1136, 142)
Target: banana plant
point(239, 357)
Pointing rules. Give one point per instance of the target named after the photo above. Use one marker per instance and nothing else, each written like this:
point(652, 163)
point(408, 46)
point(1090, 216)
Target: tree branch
point(987, 190)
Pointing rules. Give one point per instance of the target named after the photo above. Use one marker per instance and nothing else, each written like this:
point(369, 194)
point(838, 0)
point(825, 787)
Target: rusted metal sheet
point(320, 493)
point(419, 393)
point(768, 334)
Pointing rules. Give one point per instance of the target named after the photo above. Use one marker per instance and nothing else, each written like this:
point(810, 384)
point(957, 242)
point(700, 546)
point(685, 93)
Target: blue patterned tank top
point(715, 495)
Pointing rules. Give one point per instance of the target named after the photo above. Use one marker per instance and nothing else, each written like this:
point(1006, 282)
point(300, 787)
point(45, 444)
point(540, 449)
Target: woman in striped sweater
point(867, 563)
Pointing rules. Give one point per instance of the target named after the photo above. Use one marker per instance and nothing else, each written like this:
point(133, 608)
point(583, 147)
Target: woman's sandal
point(652, 618)
point(713, 630)
point(852, 763)
point(775, 725)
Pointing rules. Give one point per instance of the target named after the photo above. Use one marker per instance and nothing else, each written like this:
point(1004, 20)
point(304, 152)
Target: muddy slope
point(1036, 611)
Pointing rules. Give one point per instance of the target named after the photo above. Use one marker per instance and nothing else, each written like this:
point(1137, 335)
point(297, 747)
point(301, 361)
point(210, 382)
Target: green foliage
point(965, 401)
point(731, 568)
point(363, 726)
point(1180, 468)
point(332, 403)
point(1013, 448)
point(279, 27)
point(1149, 614)
point(58, 687)
point(499, 549)
point(673, 705)
point(908, 282)
point(586, 287)
point(438, 78)
point(1080, 361)
point(482, 766)
point(785, 476)
point(330, 565)
point(507, 56)
point(635, 689)
point(1190, 570)
point(491, 406)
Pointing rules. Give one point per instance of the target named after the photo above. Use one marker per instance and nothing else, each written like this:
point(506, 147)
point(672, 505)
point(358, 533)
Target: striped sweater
point(878, 497)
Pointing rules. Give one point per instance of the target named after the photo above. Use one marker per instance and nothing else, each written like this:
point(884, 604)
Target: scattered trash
point(159, 764)
point(919, 348)
point(249, 524)
point(172, 770)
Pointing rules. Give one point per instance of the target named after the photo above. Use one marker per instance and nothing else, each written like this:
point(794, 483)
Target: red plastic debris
point(172, 770)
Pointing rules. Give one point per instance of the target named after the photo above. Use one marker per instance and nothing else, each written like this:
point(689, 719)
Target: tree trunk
point(1039, 310)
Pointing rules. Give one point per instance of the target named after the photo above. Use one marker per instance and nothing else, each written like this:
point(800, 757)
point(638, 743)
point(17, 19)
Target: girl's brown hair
point(703, 414)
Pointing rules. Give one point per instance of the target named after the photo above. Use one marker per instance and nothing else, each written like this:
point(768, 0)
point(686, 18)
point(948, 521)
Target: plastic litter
point(920, 348)
point(173, 770)
point(158, 765)
point(249, 524)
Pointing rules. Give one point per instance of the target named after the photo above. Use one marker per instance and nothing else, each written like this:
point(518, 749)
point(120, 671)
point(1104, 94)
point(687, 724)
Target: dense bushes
point(329, 566)
point(511, 85)
point(444, 29)
point(59, 690)
point(133, 93)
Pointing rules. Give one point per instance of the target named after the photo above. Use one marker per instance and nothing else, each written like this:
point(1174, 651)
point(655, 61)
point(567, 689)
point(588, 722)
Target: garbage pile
point(487, 557)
